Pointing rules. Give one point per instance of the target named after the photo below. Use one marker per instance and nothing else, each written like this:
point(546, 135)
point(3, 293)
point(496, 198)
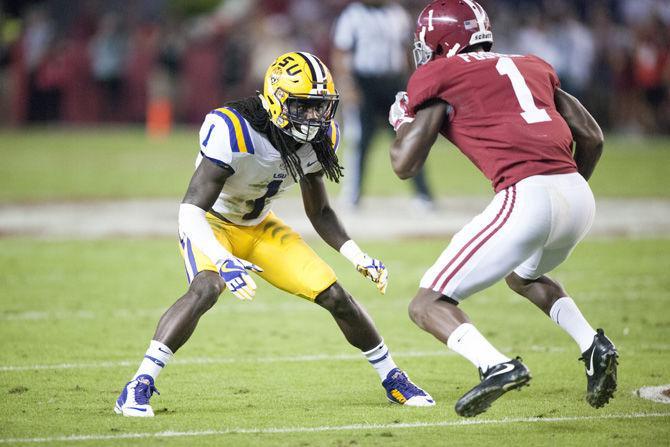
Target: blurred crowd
point(92, 61)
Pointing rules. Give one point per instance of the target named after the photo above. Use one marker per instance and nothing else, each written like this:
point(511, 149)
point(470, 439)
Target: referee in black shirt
point(371, 40)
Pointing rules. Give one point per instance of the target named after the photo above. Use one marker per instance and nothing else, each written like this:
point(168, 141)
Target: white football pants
point(529, 228)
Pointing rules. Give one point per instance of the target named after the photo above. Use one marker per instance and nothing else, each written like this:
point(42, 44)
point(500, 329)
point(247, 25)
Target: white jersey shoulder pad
point(224, 136)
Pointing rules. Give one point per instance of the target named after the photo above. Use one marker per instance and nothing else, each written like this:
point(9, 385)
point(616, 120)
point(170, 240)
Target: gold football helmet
point(299, 95)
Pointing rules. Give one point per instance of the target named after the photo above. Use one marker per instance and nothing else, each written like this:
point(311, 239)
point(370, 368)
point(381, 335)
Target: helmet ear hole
point(439, 50)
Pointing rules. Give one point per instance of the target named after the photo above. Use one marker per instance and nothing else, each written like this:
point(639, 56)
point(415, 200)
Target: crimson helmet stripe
point(440, 276)
point(441, 281)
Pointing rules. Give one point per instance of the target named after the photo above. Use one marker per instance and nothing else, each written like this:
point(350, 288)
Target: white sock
point(566, 314)
point(468, 342)
point(157, 356)
point(380, 358)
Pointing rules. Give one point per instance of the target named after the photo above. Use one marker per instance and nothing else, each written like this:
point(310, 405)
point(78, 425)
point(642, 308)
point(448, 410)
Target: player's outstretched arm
point(585, 132)
point(415, 138)
point(205, 186)
point(328, 226)
point(320, 213)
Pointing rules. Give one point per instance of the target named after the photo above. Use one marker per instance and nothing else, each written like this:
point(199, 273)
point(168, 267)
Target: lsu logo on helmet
point(300, 96)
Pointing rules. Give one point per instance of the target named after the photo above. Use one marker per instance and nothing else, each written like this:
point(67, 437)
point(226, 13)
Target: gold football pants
point(288, 263)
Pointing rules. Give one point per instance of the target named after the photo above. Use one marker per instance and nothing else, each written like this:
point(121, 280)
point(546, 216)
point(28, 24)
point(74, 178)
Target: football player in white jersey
point(251, 151)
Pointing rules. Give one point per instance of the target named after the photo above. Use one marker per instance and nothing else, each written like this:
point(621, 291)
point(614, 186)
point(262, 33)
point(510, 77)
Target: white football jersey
point(260, 176)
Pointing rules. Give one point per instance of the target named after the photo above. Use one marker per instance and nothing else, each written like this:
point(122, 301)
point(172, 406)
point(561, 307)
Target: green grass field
point(45, 164)
point(76, 317)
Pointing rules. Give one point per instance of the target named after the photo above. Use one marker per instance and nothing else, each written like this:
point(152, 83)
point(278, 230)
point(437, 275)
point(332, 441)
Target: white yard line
point(291, 359)
point(327, 428)
point(219, 360)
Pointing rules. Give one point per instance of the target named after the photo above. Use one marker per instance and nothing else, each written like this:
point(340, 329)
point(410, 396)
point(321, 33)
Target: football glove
point(367, 266)
point(374, 269)
point(238, 280)
point(399, 113)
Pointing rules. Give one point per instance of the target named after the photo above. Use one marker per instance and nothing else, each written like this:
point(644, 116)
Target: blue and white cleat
point(401, 390)
point(134, 399)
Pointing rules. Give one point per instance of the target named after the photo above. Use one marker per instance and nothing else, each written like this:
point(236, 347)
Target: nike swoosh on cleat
point(589, 370)
point(311, 163)
point(507, 368)
point(138, 409)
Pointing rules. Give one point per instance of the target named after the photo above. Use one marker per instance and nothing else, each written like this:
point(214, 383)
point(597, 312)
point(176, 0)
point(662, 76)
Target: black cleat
point(495, 382)
point(601, 362)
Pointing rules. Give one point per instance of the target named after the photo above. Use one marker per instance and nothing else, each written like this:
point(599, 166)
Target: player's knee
point(516, 283)
point(337, 301)
point(418, 309)
point(205, 290)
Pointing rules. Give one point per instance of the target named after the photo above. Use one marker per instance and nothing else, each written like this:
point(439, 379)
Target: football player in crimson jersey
point(508, 115)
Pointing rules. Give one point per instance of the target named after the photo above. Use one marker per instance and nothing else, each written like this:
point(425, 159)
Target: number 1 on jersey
point(259, 203)
point(531, 113)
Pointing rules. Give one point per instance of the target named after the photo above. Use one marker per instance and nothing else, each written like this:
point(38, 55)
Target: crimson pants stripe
point(483, 241)
point(432, 286)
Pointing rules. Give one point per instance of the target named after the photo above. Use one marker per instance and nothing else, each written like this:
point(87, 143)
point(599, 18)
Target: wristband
point(351, 251)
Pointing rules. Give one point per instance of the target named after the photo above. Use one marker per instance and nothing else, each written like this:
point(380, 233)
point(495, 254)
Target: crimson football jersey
point(502, 114)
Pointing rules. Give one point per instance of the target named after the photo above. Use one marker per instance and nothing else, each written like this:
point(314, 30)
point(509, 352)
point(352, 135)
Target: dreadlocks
point(253, 111)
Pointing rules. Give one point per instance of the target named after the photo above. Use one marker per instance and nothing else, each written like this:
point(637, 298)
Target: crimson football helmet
point(447, 27)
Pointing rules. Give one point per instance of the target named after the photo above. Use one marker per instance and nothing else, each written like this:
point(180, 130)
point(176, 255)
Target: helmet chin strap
point(264, 102)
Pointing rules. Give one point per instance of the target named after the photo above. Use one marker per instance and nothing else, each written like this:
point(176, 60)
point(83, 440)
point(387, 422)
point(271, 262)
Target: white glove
point(234, 272)
point(399, 114)
point(369, 267)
